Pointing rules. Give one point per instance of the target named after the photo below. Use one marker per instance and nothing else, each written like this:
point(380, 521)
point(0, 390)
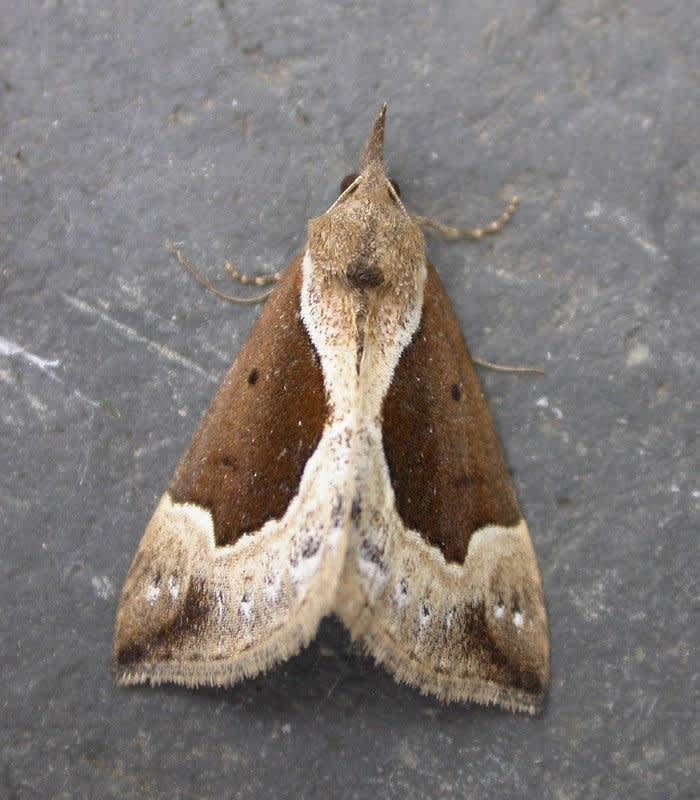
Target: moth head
point(367, 238)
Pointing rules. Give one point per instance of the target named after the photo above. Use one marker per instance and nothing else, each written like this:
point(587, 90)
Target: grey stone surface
point(226, 126)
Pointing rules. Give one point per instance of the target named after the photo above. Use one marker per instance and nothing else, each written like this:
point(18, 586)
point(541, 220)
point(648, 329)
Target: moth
point(348, 464)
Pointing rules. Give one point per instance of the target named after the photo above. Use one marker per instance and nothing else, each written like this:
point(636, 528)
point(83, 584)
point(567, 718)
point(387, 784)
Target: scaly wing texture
point(441, 581)
point(241, 558)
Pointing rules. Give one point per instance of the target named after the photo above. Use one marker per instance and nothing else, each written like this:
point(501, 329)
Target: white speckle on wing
point(303, 569)
point(173, 587)
point(152, 593)
point(518, 619)
point(273, 588)
point(424, 616)
point(246, 607)
point(220, 603)
point(448, 619)
point(499, 611)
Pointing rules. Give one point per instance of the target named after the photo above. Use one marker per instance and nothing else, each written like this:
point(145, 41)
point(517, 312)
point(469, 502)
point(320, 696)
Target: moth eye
point(347, 181)
point(395, 185)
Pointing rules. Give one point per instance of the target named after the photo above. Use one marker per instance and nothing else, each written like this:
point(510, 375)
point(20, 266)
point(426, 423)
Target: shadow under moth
point(348, 464)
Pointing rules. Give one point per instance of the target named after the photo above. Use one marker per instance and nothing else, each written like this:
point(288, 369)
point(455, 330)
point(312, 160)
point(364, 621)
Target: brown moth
point(348, 464)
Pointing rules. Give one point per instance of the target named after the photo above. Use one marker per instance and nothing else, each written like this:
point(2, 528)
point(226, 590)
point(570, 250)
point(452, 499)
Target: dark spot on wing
point(130, 654)
point(370, 552)
point(310, 547)
point(463, 481)
point(160, 643)
point(337, 511)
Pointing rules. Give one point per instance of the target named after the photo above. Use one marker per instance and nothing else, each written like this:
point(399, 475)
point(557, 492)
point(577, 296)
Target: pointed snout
point(373, 154)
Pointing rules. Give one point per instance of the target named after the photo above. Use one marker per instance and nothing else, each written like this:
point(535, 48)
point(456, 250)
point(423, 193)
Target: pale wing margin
point(470, 632)
point(194, 613)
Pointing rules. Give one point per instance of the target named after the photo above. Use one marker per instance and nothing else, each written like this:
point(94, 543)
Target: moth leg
point(482, 362)
point(474, 234)
point(206, 284)
point(251, 280)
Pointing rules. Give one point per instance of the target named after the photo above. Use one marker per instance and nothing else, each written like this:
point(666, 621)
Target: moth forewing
point(347, 464)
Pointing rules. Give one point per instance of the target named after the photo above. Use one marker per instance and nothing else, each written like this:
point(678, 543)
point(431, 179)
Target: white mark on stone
point(134, 336)
point(631, 227)
point(102, 586)
point(639, 354)
point(8, 348)
point(36, 404)
point(594, 211)
point(634, 231)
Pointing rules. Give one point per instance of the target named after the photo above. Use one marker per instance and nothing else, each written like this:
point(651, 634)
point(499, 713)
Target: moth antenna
point(507, 368)
point(251, 280)
point(373, 153)
point(206, 284)
point(473, 234)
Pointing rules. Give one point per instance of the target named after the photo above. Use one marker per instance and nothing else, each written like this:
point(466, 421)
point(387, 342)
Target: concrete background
point(226, 126)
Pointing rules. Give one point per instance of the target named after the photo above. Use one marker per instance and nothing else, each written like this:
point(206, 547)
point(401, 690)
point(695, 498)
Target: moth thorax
point(364, 272)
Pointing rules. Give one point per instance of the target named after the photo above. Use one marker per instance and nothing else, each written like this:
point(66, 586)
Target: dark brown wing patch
point(446, 464)
point(246, 460)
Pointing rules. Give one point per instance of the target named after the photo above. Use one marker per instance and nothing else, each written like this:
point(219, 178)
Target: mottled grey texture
point(226, 126)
